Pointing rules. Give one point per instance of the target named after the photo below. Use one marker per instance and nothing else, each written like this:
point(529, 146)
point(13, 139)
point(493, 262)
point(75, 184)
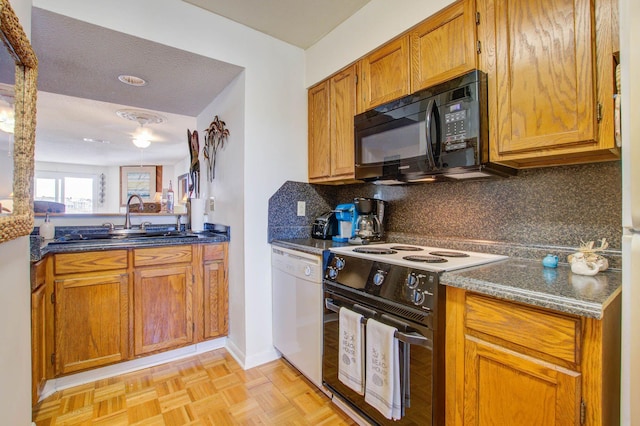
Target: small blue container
point(550, 261)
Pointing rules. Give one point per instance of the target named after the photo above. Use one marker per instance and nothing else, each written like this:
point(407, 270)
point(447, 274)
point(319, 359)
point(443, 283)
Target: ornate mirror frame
point(20, 221)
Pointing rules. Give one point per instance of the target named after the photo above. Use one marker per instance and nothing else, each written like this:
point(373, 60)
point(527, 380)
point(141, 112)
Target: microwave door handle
point(428, 123)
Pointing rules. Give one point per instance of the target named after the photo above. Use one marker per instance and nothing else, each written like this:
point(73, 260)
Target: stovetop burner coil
point(374, 250)
point(445, 253)
point(406, 248)
point(425, 259)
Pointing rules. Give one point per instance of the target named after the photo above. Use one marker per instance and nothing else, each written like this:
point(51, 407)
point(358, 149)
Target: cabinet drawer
point(552, 334)
point(161, 255)
point(94, 261)
point(213, 252)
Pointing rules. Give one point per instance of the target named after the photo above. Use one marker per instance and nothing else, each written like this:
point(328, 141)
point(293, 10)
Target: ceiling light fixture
point(132, 80)
point(7, 121)
point(142, 138)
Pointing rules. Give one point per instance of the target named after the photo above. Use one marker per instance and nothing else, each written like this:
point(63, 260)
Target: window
point(76, 190)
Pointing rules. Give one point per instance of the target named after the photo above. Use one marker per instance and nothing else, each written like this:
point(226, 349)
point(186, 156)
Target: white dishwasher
point(296, 279)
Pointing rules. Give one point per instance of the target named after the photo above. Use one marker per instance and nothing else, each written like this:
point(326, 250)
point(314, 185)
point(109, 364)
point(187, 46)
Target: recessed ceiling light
point(132, 80)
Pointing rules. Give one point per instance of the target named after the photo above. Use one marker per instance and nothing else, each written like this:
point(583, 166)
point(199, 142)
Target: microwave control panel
point(455, 127)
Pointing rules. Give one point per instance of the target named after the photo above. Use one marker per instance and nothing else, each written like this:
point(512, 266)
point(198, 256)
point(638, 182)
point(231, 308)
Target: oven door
point(416, 363)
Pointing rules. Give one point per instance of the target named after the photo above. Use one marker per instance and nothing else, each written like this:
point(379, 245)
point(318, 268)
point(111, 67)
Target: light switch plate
point(302, 207)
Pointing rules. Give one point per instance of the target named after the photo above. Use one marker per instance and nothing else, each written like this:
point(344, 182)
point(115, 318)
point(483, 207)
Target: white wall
point(228, 189)
point(15, 332)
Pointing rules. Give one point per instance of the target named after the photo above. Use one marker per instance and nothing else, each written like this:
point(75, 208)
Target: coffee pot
point(369, 225)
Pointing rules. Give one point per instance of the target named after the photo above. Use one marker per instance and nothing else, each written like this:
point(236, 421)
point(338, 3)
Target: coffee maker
point(347, 217)
point(369, 227)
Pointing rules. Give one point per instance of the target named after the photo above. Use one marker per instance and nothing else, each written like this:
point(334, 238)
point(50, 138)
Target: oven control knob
point(332, 273)
point(417, 297)
point(339, 263)
point(378, 278)
point(412, 280)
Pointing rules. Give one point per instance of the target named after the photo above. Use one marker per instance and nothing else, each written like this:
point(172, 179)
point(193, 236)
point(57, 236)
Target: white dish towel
point(382, 384)
point(351, 350)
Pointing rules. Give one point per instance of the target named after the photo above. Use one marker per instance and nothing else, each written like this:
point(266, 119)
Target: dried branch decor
point(194, 167)
point(214, 139)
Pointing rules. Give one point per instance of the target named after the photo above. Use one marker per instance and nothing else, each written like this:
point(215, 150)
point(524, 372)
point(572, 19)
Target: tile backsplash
point(556, 206)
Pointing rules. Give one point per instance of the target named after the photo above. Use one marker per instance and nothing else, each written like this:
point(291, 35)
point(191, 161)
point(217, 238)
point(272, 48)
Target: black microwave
point(434, 134)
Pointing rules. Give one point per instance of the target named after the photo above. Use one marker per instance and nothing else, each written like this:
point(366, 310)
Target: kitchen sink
point(116, 236)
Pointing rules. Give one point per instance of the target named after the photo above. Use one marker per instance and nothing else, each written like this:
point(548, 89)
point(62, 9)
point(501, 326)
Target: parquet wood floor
point(207, 389)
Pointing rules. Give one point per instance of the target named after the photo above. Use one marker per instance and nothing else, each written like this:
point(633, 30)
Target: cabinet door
point(540, 63)
point(503, 387)
point(319, 141)
point(384, 74)
point(216, 306)
point(91, 321)
point(162, 304)
point(444, 46)
point(39, 358)
point(343, 108)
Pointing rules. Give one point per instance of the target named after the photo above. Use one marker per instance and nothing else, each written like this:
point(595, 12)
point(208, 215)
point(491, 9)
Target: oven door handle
point(357, 308)
point(409, 338)
point(414, 339)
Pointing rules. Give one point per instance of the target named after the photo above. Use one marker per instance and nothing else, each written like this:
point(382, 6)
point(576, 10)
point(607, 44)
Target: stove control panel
point(411, 287)
point(420, 288)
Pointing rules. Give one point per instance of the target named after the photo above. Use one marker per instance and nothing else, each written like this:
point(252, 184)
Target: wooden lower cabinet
point(216, 292)
point(91, 309)
point(162, 315)
point(514, 364)
point(503, 387)
point(39, 322)
point(91, 321)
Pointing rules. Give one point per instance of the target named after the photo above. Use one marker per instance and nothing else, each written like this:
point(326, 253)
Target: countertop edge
point(528, 297)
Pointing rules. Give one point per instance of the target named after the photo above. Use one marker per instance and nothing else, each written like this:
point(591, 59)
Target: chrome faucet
point(127, 218)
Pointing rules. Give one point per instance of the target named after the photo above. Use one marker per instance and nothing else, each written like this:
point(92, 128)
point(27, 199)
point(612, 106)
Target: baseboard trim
point(61, 383)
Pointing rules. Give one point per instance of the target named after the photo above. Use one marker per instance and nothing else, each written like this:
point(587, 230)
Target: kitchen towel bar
point(409, 338)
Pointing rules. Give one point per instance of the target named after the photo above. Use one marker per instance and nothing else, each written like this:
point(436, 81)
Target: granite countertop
point(520, 280)
point(527, 281)
point(308, 245)
point(40, 248)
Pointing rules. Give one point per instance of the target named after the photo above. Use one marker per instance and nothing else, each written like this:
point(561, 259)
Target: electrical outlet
point(302, 207)
point(212, 203)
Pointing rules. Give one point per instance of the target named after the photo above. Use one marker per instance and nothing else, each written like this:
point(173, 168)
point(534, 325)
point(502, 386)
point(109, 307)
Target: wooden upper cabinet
point(332, 106)
point(384, 74)
point(343, 109)
point(319, 142)
point(541, 65)
point(444, 46)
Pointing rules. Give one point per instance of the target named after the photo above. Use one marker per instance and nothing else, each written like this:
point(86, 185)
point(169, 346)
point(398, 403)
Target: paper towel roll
point(197, 214)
